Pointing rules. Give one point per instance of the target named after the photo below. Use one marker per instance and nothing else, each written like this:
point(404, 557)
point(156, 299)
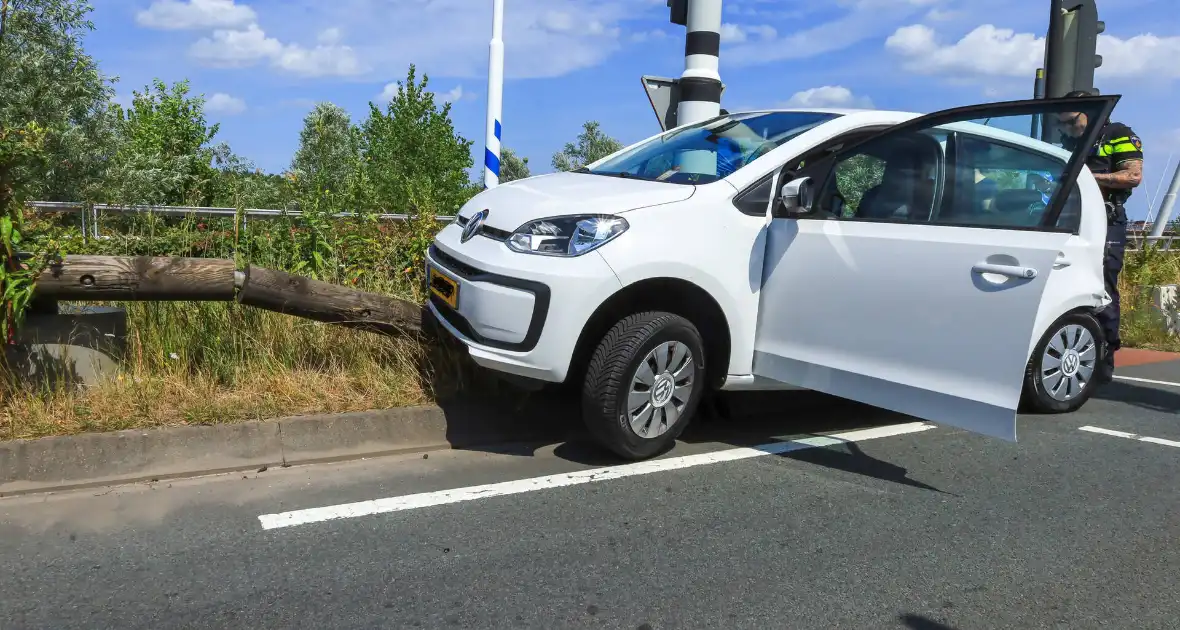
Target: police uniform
point(1116, 144)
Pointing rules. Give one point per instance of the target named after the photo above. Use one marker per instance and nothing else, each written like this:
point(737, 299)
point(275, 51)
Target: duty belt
point(1112, 211)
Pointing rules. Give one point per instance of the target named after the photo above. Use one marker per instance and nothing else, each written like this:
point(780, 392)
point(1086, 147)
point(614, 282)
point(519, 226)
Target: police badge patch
point(1137, 142)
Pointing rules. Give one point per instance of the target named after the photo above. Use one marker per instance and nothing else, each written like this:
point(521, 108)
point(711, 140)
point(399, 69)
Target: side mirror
point(794, 198)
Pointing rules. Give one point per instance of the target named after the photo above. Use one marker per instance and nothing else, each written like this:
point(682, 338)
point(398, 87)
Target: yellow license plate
point(446, 289)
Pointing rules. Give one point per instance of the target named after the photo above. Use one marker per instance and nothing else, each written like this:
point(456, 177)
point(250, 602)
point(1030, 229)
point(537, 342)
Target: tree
point(165, 156)
point(412, 155)
point(593, 145)
point(512, 167)
point(329, 150)
point(50, 90)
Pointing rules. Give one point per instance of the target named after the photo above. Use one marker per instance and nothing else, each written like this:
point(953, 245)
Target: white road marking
point(1131, 436)
point(1147, 380)
point(457, 495)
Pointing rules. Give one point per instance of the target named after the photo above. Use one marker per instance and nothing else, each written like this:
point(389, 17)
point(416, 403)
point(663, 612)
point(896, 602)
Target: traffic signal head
point(1087, 27)
point(679, 12)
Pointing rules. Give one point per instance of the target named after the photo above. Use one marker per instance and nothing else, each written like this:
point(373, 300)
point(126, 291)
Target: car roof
point(884, 116)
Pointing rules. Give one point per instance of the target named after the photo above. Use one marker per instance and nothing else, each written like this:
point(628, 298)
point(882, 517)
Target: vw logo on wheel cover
point(473, 226)
point(1070, 364)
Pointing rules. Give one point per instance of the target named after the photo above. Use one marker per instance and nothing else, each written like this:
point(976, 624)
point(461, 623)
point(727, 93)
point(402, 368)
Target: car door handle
point(1012, 271)
point(1061, 262)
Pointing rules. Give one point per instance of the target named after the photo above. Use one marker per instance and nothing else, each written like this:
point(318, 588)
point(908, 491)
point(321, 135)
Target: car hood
point(515, 203)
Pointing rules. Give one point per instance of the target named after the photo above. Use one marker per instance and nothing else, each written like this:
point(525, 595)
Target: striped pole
point(700, 84)
point(491, 154)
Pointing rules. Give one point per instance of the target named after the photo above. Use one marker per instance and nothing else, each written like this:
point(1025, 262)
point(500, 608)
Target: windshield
point(708, 151)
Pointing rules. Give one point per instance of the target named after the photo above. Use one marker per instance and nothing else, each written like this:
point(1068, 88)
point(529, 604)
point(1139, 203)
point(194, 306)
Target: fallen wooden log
point(138, 278)
point(326, 302)
point(146, 278)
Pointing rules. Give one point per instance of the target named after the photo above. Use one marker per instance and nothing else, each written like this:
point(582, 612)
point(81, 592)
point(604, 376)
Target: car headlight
point(566, 236)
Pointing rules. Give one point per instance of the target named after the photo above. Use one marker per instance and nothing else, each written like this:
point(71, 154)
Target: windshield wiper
point(619, 174)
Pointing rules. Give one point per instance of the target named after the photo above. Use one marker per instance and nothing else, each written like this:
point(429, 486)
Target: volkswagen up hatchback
point(945, 266)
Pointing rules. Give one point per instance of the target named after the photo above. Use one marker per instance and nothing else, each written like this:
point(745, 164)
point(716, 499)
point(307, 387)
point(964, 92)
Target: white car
point(945, 266)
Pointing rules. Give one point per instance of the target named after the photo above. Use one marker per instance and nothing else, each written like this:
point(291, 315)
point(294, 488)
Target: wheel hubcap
point(1068, 362)
point(660, 389)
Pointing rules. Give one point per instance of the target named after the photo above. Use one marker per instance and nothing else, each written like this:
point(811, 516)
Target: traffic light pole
point(700, 84)
point(1071, 47)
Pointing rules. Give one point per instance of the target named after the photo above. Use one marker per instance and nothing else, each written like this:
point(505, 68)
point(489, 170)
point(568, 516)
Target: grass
point(1142, 323)
point(208, 363)
point(194, 363)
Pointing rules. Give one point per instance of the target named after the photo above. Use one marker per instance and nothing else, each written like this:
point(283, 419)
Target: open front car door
point(907, 271)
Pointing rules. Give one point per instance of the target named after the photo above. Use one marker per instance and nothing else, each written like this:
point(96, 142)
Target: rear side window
point(997, 184)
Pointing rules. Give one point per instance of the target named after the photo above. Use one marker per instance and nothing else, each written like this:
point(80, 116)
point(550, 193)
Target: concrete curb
point(98, 459)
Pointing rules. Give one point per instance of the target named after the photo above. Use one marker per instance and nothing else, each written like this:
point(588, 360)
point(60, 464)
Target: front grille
point(487, 231)
point(494, 233)
point(463, 269)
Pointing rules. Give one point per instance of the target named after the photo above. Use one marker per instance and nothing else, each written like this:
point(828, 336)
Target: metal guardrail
point(1134, 241)
point(1163, 243)
point(74, 206)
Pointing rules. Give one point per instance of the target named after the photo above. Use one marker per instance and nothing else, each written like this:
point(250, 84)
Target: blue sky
point(263, 63)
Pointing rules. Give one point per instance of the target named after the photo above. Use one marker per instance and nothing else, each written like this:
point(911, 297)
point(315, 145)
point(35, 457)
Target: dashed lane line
point(1131, 436)
point(1146, 380)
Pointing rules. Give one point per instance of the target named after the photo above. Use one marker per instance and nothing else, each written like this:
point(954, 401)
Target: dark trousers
point(1116, 246)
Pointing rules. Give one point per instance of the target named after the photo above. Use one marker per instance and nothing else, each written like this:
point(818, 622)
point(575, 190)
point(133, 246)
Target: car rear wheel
point(643, 384)
point(1060, 374)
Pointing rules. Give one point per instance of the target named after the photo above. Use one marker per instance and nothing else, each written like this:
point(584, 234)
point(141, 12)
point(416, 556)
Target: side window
point(895, 178)
point(1071, 215)
point(856, 176)
point(1002, 184)
point(754, 199)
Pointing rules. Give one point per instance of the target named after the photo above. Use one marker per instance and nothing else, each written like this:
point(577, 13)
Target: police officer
point(1116, 160)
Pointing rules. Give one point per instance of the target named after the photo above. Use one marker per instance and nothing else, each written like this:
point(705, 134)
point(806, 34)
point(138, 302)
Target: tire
point(613, 371)
point(1077, 332)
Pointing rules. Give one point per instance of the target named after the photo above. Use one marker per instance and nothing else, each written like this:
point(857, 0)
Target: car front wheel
point(643, 384)
point(1060, 373)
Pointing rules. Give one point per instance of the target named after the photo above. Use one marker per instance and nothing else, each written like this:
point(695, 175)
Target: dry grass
point(219, 363)
point(1142, 324)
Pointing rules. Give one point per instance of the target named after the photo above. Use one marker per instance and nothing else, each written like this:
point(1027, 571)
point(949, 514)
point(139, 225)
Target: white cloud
point(222, 103)
point(863, 19)
point(1140, 56)
point(329, 36)
point(991, 51)
point(987, 50)
point(195, 14)
point(542, 38)
point(453, 95)
point(734, 33)
point(241, 48)
point(233, 48)
point(829, 96)
point(653, 35)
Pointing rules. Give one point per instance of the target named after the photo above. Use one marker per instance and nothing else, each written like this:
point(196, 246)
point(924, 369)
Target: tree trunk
point(325, 302)
point(140, 278)
point(144, 278)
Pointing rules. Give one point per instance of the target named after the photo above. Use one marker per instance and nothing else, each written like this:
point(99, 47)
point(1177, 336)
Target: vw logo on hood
point(473, 226)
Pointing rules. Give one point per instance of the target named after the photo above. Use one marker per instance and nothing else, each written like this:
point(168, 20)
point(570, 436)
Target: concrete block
point(1166, 298)
point(77, 345)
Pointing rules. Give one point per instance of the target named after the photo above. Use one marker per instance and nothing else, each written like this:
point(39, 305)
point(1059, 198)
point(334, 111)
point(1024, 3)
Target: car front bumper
point(517, 313)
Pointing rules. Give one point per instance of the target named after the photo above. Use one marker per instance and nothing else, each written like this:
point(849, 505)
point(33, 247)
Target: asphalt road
point(889, 525)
